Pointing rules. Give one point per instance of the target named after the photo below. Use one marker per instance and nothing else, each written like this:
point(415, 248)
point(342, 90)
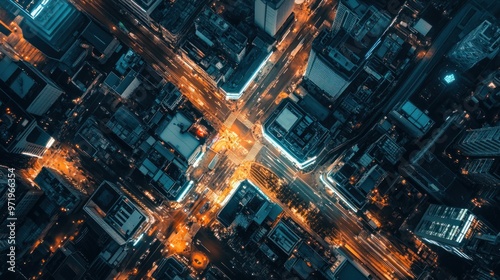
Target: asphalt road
point(155, 51)
point(257, 101)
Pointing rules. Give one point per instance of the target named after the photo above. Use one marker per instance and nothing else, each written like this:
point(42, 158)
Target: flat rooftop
point(246, 198)
point(174, 16)
point(175, 133)
point(284, 237)
point(22, 79)
point(412, 119)
point(115, 213)
point(348, 271)
point(295, 132)
point(246, 71)
point(126, 126)
point(96, 36)
point(286, 119)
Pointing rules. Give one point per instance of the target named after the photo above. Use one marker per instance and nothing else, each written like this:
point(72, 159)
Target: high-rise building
point(270, 15)
point(142, 9)
point(413, 120)
point(482, 142)
point(482, 42)
point(19, 132)
point(29, 87)
point(53, 21)
point(336, 57)
point(294, 132)
point(112, 211)
point(488, 91)
point(33, 141)
point(484, 171)
point(348, 14)
point(450, 228)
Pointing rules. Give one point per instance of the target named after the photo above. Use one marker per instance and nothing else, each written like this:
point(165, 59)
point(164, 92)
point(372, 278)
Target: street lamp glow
point(298, 164)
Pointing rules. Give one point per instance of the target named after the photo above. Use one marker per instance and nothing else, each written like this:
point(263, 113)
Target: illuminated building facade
point(484, 171)
point(142, 9)
point(29, 87)
point(348, 14)
point(337, 56)
point(480, 142)
point(114, 213)
point(353, 176)
point(19, 131)
point(482, 42)
point(296, 134)
point(449, 228)
point(33, 141)
point(54, 21)
point(270, 15)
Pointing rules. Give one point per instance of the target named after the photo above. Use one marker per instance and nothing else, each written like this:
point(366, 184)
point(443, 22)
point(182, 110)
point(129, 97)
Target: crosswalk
point(253, 151)
point(236, 116)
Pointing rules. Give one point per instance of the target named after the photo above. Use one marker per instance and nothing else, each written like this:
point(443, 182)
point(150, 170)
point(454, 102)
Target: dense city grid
point(262, 139)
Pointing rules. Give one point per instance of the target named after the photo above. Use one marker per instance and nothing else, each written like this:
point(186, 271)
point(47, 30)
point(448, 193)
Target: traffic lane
point(261, 89)
point(350, 230)
point(306, 191)
point(274, 72)
point(276, 163)
point(140, 250)
point(262, 112)
point(133, 188)
point(303, 31)
point(190, 87)
point(222, 175)
point(154, 255)
point(101, 15)
point(288, 75)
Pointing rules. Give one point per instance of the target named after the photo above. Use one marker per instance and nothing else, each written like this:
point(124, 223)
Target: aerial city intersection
point(249, 139)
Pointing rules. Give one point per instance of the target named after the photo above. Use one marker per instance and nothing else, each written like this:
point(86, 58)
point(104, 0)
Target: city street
point(285, 69)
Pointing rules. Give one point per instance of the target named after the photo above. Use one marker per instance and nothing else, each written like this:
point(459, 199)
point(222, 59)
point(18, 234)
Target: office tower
point(482, 42)
point(488, 91)
point(326, 75)
point(450, 228)
point(485, 171)
point(337, 57)
point(114, 213)
point(348, 14)
point(56, 22)
point(29, 87)
point(19, 132)
point(271, 14)
point(142, 9)
point(294, 132)
point(33, 141)
point(482, 142)
point(212, 29)
point(412, 120)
